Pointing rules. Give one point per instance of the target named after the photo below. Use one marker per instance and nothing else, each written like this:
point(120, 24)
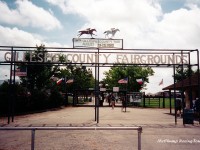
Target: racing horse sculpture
point(87, 31)
point(112, 31)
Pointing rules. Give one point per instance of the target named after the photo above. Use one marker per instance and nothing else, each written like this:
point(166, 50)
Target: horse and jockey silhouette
point(90, 31)
point(87, 31)
point(112, 31)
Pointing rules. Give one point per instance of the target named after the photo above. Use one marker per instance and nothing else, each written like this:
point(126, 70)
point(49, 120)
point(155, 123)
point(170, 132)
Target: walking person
point(113, 100)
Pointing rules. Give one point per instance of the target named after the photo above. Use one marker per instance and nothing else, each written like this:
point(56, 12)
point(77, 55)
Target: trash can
point(188, 116)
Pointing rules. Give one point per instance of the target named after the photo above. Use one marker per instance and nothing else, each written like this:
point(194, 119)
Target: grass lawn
point(158, 103)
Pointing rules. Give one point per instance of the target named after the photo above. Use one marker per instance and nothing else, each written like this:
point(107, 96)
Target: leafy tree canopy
point(39, 76)
point(132, 73)
point(182, 73)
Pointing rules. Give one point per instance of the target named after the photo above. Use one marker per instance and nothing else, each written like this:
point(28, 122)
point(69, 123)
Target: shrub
point(39, 100)
point(56, 99)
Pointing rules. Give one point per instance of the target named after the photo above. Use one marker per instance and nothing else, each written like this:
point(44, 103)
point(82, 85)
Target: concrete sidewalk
point(159, 130)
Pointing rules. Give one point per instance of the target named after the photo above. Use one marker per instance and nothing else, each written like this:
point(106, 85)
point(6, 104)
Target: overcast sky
point(142, 23)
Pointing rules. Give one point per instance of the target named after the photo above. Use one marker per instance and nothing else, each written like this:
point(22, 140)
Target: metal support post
point(139, 138)
point(32, 139)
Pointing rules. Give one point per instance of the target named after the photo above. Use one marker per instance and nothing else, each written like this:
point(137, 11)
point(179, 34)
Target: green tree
point(38, 76)
point(132, 73)
point(83, 78)
point(182, 73)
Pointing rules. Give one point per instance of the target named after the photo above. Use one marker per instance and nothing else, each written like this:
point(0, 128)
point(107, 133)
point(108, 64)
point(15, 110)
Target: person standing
point(197, 105)
point(123, 103)
point(178, 106)
point(193, 104)
point(197, 108)
point(109, 99)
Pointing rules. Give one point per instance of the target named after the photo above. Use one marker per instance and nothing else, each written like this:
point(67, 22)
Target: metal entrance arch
point(97, 58)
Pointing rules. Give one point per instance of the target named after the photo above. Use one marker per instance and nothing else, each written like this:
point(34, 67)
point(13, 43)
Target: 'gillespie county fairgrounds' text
point(102, 57)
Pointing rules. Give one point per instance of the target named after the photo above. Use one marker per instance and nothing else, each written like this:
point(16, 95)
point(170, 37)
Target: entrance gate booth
point(95, 54)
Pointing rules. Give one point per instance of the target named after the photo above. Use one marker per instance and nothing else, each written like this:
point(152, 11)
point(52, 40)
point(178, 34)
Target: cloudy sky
point(142, 23)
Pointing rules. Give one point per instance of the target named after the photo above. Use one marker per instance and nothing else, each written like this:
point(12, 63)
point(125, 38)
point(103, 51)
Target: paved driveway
point(159, 130)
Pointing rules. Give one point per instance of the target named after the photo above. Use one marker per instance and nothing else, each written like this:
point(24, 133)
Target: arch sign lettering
point(124, 58)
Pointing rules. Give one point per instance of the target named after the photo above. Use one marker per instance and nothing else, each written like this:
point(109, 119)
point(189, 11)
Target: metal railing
point(33, 129)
